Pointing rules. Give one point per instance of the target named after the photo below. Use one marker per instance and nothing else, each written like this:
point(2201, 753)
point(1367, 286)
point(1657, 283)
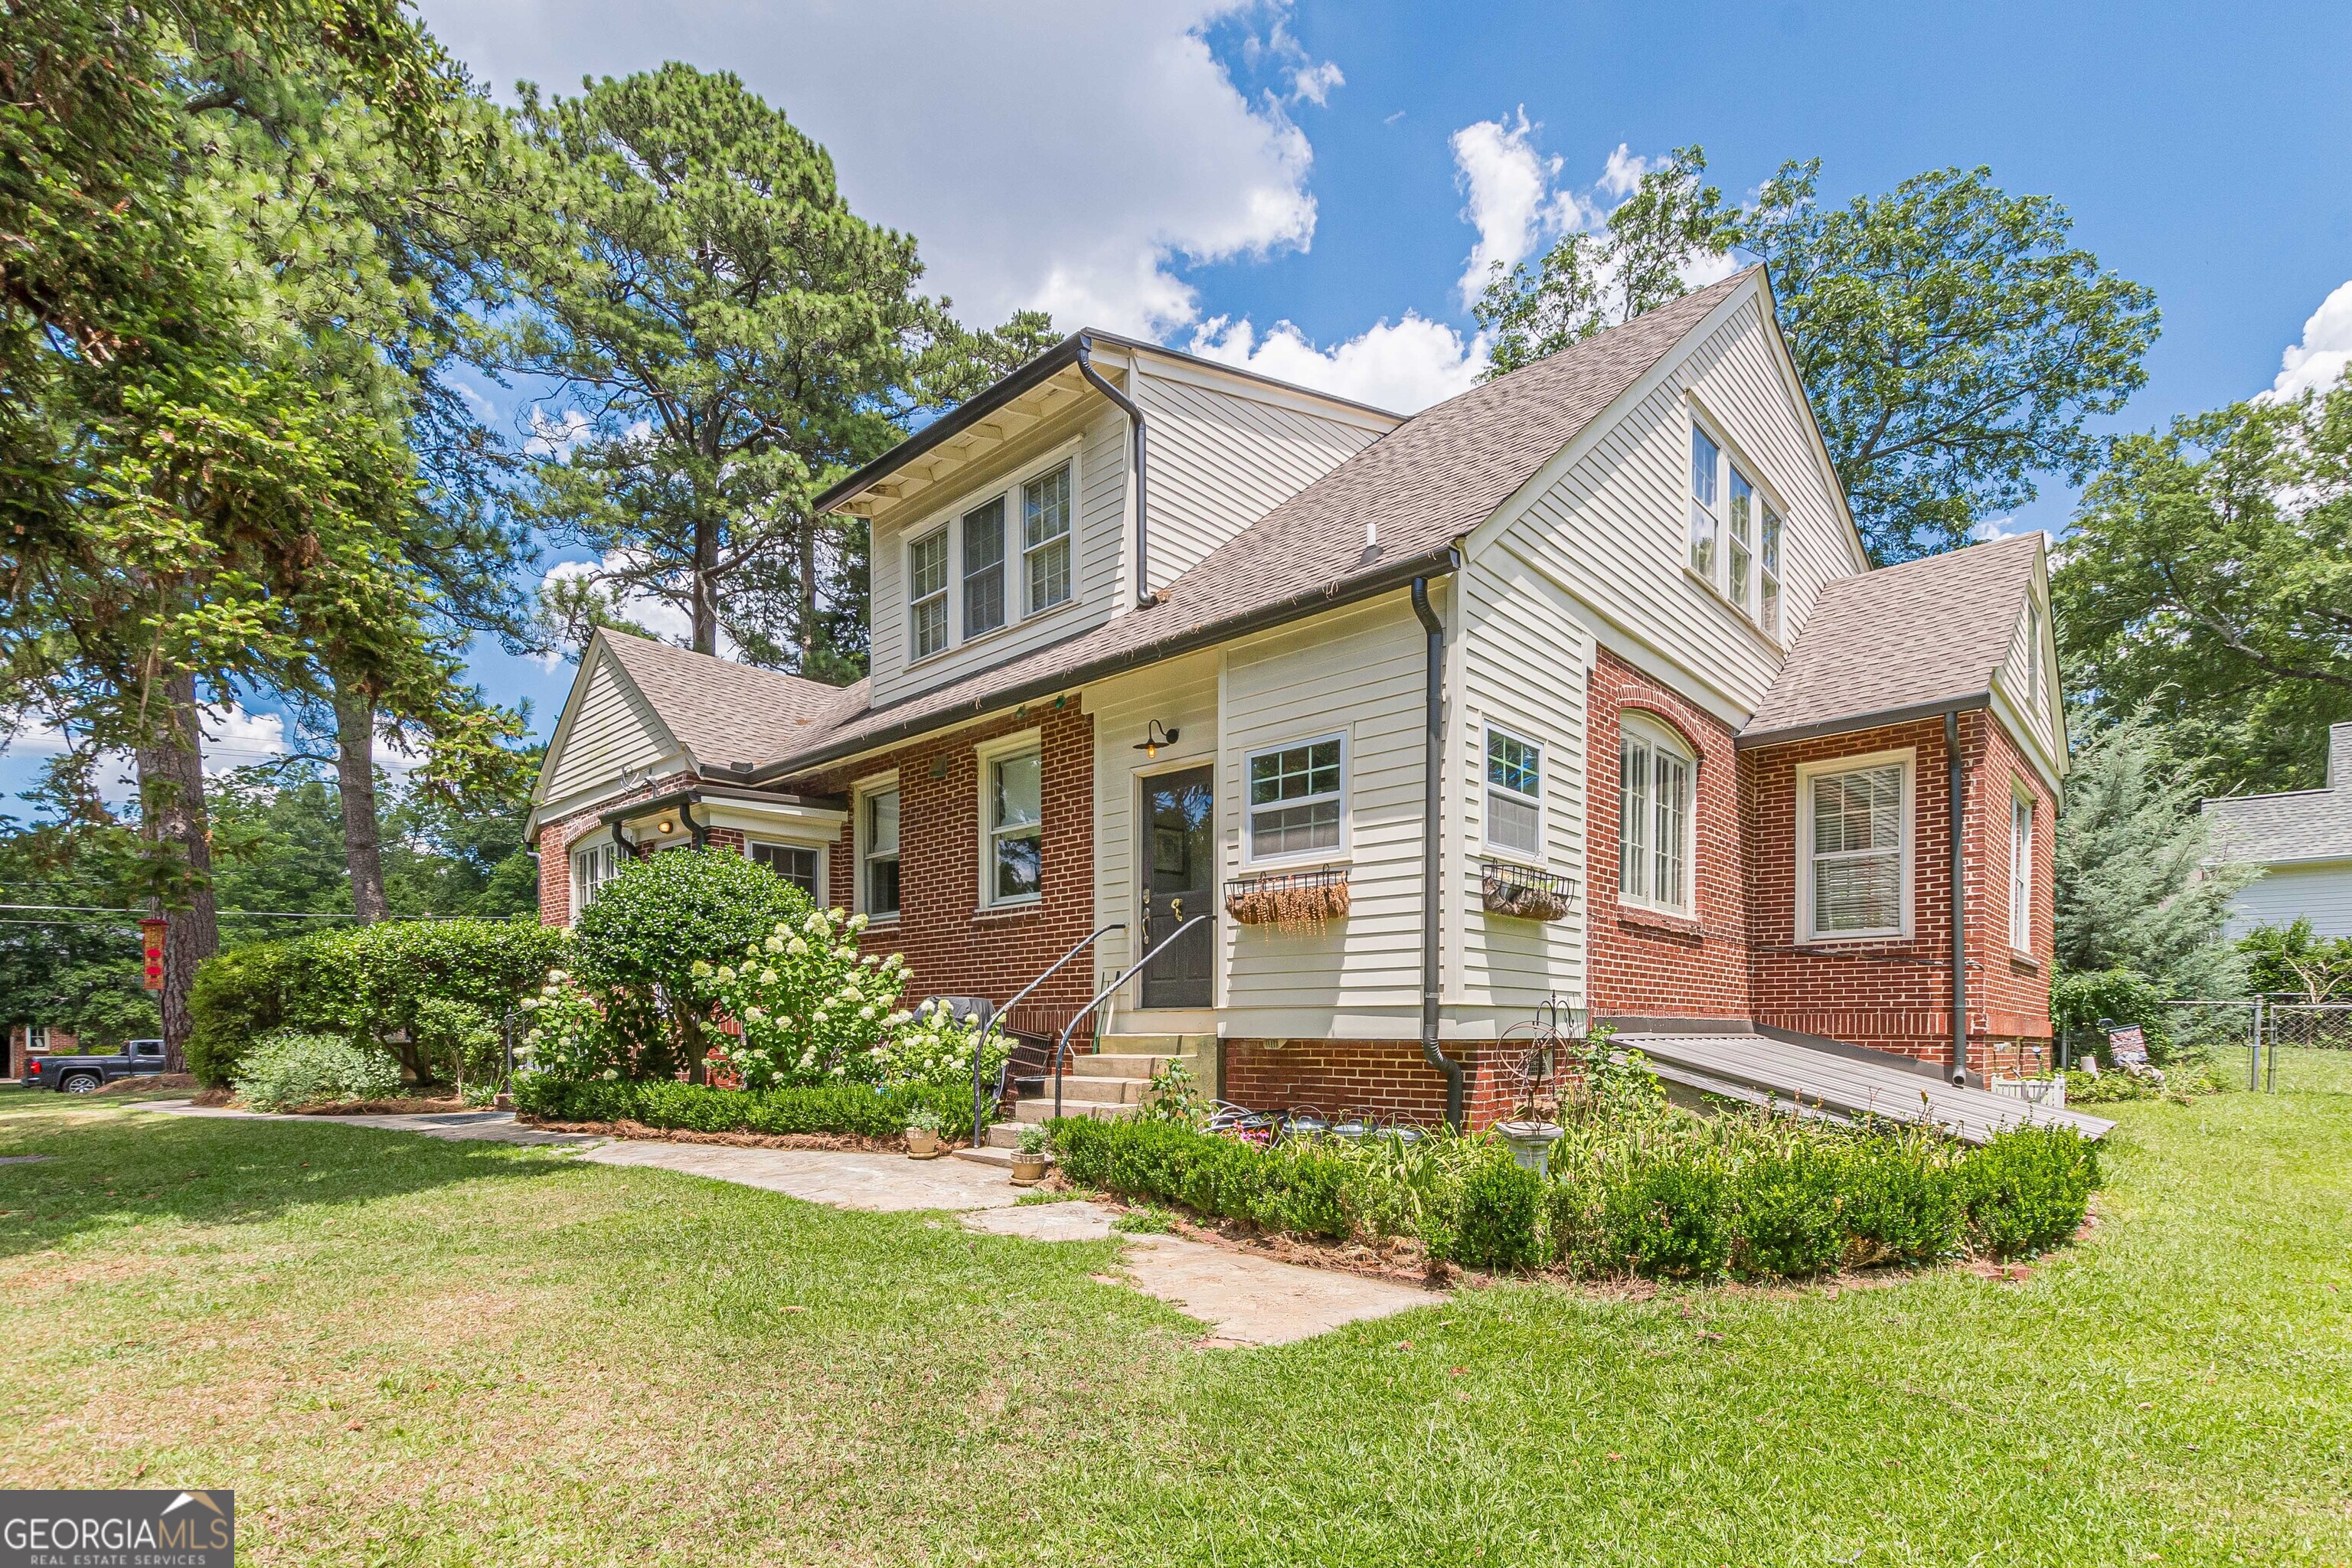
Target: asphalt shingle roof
point(2301, 825)
point(1926, 632)
point(720, 710)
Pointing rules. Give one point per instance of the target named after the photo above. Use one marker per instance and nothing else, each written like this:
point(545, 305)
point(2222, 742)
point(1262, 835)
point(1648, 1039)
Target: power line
point(252, 914)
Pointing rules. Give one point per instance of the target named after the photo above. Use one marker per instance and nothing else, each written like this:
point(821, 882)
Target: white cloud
point(239, 737)
point(555, 436)
point(1624, 171)
point(2325, 352)
point(1511, 200)
point(1403, 366)
point(1074, 158)
point(654, 612)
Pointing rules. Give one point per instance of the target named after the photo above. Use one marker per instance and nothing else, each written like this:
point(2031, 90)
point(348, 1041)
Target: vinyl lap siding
point(1220, 460)
point(613, 732)
point(1182, 695)
point(2320, 894)
point(1525, 656)
point(1097, 564)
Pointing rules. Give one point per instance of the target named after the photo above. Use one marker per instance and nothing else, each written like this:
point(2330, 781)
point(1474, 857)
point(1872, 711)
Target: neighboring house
point(2301, 841)
point(26, 1040)
point(1149, 630)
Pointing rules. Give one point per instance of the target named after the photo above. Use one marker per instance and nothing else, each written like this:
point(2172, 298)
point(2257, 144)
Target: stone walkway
point(1246, 1299)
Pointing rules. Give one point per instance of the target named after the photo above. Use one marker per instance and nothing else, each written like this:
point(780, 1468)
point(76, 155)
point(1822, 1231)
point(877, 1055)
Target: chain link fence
point(2271, 1043)
point(2307, 1045)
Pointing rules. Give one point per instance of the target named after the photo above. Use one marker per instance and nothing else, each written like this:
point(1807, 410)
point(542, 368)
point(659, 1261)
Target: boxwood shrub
point(1786, 1214)
point(1500, 1222)
point(851, 1109)
point(1298, 1187)
point(2028, 1189)
point(1670, 1218)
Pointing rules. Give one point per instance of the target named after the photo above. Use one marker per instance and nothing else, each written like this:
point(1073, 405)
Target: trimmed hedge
point(2028, 1189)
point(853, 1109)
point(1296, 1188)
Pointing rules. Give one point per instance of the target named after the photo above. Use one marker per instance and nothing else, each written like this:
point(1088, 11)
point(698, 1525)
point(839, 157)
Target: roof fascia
point(1192, 368)
point(1883, 718)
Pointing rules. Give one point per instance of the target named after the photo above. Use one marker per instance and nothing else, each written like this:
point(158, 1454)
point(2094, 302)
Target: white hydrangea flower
point(858, 923)
point(701, 968)
point(725, 974)
point(610, 1073)
point(774, 944)
point(797, 947)
point(766, 977)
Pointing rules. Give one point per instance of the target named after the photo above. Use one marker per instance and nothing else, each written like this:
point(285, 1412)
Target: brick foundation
point(1385, 1079)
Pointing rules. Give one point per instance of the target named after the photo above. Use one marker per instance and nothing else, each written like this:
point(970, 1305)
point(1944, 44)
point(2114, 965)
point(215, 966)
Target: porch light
point(1155, 735)
point(667, 826)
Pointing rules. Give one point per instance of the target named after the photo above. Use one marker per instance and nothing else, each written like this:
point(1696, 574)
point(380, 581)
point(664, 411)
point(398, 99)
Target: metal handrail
point(980, 1047)
point(1062, 1047)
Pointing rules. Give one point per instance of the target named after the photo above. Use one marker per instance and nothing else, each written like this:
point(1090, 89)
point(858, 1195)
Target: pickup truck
point(79, 1075)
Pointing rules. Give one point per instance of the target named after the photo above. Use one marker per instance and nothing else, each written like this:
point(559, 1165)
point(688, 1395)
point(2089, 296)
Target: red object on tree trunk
point(151, 932)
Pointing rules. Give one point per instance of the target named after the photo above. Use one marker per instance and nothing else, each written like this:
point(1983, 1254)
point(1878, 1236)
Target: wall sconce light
point(1154, 737)
point(667, 826)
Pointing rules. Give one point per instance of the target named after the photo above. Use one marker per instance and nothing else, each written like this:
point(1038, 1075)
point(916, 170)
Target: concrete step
point(1042, 1109)
point(1113, 1091)
point(1001, 1156)
point(1115, 1065)
point(1152, 1045)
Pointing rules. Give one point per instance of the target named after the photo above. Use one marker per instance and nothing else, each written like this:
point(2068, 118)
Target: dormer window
point(983, 568)
point(926, 581)
point(1735, 533)
point(1046, 538)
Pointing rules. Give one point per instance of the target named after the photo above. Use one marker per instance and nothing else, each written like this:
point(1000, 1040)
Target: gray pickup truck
point(79, 1075)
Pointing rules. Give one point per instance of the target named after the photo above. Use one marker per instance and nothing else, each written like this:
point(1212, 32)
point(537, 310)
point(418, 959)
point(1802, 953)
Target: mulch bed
point(160, 1080)
point(837, 1142)
point(413, 1107)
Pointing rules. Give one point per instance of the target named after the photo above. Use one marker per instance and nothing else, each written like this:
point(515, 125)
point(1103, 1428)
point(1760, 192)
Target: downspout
point(1432, 874)
point(1957, 798)
point(1143, 594)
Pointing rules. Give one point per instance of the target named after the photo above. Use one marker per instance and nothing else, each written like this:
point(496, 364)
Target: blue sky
point(1306, 184)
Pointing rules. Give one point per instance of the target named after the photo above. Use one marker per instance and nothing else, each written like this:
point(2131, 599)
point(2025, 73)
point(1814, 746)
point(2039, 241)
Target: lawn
point(398, 1350)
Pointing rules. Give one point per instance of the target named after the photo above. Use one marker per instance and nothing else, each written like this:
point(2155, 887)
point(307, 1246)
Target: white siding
point(1183, 695)
point(1358, 673)
point(1220, 458)
point(1613, 528)
point(1523, 664)
point(2320, 894)
point(612, 732)
point(2017, 674)
point(1097, 554)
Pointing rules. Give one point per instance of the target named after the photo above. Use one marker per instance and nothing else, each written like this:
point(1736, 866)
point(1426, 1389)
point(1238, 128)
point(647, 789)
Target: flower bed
point(859, 1110)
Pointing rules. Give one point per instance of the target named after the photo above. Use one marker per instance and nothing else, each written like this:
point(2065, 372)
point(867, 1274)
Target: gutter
point(1307, 601)
point(685, 800)
point(1432, 872)
point(1944, 709)
point(1085, 341)
point(1957, 809)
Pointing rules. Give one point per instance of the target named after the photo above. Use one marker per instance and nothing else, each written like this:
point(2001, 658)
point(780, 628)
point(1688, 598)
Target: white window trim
point(821, 850)
point(598, 841)
point(987, 754)
point(1657, 734)
point(1541, 855)
point(1070, 541)
point(1729, 455)
point(2021, 910)
point(946, 533)
point(858, 795)
point(949, 516)
point(1808, 772)
point(1344, 850)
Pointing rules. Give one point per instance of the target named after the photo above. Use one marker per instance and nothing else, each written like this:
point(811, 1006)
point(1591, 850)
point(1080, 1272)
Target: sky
point(1311, 188)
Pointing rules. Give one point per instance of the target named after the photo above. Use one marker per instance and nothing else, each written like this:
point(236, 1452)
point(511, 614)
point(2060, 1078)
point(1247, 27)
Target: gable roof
point(719, 711)
point(1417, 489)
point(1901, 642)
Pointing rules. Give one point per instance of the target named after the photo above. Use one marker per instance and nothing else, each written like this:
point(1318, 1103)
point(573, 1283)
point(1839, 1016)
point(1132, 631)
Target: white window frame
point(817, 894)
point(36, 1036)
point(2032, 655)
point(2021, 812)
point(1340, 851)
point(1907, 760)
point(948, 521)
point(1748, 598)
point(862, 846)
point(604, 846)
point(1068, 539)
point(989, 755)
point(916, 652)
point(1655, 734)
point(1771, 568)
point(1488, 789)
point(964, 577)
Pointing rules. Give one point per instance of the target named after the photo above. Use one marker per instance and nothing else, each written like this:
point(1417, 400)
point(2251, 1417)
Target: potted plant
point(923, 1125)
point(1029, 1160)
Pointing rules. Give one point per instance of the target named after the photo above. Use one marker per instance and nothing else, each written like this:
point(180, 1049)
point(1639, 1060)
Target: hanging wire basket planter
point(1524, 893)
point(1289, 900)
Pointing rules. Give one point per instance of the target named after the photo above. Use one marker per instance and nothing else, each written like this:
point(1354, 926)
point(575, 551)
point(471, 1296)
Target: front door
point(1180, 882)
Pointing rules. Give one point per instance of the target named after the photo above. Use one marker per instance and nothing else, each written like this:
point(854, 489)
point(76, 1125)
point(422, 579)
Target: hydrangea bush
point(570, 1037)
point(935, 1047)
point(811, 1008)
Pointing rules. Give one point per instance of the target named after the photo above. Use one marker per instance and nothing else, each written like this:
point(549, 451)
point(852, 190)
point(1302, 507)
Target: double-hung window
point(2020, 874)
point(1296, 799)
point(1768, 572)
point(878, 851)
point(1739, 561)
point(1706, 519)
point(1015, 829)
point(592, 867)
point(791, 863)
point(1653, 820)
point(983, 568)
point(1855, 849)
point(1514, 795)
point(927, 595)
point(1046, 538)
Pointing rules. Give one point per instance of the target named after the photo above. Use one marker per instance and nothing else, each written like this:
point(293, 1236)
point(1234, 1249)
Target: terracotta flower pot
point(1028, 1169)
point(922, 1145)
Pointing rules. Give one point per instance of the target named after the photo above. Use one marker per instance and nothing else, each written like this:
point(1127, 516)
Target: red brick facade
point(1386, 1079)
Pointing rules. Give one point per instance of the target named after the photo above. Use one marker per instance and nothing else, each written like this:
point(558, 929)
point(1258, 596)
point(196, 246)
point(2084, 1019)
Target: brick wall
point(1387, 1079)
point(555, 858)
point(951, 945)
point(1642, 962)
point(2009, 991)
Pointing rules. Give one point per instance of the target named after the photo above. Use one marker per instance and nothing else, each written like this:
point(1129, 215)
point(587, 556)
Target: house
point(1575, 685)
point(26, 1041)
point(2302, 843)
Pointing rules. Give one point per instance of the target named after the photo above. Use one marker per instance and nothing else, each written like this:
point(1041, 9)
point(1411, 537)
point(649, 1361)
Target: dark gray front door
point(1180, 882)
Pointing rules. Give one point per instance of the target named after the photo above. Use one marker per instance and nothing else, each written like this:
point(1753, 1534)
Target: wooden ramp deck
point(1837, 1086)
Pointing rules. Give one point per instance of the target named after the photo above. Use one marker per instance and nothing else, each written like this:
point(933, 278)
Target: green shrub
point(287, 1069)
point(2028, 1189)
point(1900, 1202)
point(2080, 998)
point(1300, 1187)
point(852, 1110)
point(1499, 1222)
point(371, 981)
point(239, 996)
point(1671, 1218)
point(1786, 1217)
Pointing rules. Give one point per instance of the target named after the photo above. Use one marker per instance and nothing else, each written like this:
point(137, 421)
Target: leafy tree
point(724, 336)
point(2133, 891)
point(2289, 960)
point(2209, 583)
point(1953, 344)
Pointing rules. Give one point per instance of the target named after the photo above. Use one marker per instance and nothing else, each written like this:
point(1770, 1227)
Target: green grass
point(398, 1350)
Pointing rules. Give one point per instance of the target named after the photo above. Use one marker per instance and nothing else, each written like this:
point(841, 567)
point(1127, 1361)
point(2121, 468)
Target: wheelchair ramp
point(1757, 1070)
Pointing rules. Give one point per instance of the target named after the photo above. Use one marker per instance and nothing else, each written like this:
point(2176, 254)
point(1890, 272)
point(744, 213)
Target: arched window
point(1655, 776)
